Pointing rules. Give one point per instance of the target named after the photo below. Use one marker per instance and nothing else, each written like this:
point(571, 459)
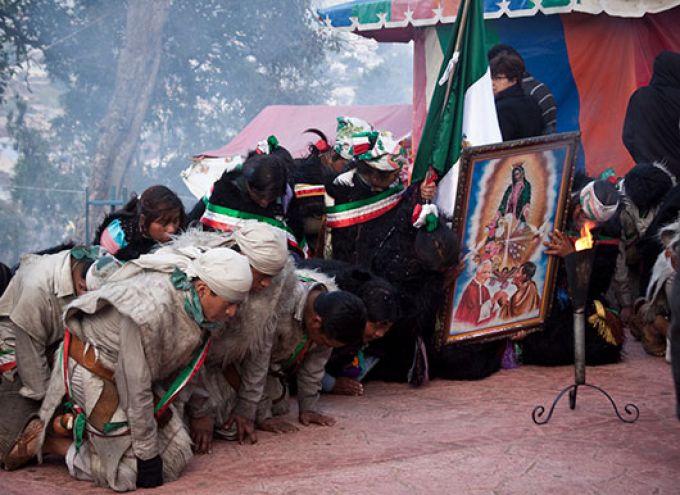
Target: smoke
point(220, 66)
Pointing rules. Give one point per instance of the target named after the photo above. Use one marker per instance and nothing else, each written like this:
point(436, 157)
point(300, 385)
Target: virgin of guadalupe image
point(511, 210)
point(510, 235)
point(517, 197)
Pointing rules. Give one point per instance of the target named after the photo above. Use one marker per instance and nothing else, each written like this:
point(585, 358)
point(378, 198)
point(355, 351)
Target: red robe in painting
point(471, 302)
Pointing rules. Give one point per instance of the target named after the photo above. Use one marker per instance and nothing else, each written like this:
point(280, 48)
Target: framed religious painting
point(510, 197)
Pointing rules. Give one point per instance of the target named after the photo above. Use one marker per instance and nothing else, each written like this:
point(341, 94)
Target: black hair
point(379, 296)
point(381, 300)
point(156, 203)
point(500, 48)
point(509, 65)
point(5, 277)
point(267, 175)
point(343, 316)
point(529, 269)
point(437, 250)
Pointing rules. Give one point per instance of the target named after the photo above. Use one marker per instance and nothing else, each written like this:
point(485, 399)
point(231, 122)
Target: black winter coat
point(519, 116)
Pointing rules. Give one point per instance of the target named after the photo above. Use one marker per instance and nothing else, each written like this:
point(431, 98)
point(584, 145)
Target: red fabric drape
point(610, 57)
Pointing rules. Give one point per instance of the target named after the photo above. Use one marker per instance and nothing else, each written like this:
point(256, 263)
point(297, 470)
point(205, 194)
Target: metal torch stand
point(538, 414)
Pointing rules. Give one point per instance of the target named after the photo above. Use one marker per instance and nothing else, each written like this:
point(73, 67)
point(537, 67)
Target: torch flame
point(586, 239)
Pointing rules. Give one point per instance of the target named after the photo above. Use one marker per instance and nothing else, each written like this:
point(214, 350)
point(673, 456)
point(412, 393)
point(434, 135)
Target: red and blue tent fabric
point(592, 54)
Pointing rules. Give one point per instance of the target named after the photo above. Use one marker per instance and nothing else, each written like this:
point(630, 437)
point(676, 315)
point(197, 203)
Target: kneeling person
point(321, 320)
point(30, 331)
point(151, 320)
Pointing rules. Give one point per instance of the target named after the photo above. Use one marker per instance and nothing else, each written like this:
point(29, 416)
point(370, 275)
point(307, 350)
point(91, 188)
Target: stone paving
point(449, 437)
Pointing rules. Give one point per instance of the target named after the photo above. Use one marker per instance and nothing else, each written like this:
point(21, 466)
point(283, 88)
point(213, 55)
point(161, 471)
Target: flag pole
point(461, 29)
point(456, 47)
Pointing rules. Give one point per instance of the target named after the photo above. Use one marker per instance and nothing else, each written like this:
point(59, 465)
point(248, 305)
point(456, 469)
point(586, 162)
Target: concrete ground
point(449, 437)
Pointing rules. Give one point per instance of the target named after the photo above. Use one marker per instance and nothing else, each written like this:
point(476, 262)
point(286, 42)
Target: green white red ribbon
point(356, 212)
point(309, 190)
point(228, 219)
point(175, 388)
point(182, 379)
point(7, 360)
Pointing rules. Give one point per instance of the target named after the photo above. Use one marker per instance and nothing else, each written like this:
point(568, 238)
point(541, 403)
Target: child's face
point(161, 229)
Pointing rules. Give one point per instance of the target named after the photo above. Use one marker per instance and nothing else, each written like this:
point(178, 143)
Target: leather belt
point(108, 400)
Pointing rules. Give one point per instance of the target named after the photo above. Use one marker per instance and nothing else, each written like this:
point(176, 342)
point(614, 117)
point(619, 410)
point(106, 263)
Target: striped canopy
point(369, 15)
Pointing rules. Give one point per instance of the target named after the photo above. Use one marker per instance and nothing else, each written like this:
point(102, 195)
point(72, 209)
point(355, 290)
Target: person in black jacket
point(534, 88)
point(519, 116)
point(651, 129)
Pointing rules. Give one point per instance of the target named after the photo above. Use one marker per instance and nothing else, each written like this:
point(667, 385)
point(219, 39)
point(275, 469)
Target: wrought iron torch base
point(632, 413)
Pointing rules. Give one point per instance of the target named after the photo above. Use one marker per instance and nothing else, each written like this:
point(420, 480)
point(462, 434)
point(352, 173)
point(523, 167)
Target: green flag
point(462, 106)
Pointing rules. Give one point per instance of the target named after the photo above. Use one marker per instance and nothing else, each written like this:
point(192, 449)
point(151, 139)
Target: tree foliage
point(17, 37)
point(221, 63)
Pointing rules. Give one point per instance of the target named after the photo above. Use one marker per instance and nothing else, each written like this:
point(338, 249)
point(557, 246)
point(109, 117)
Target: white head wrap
point(265, 247)
point(226, 272)
point(592, 206)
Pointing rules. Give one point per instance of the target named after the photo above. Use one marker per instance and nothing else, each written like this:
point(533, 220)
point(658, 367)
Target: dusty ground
point(450, 437)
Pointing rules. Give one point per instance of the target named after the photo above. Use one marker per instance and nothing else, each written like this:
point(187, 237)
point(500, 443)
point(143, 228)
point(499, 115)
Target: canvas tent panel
point(610, 58)
point(287, 123)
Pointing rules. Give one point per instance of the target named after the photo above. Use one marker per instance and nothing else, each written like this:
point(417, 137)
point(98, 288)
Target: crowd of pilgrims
point(291, 277)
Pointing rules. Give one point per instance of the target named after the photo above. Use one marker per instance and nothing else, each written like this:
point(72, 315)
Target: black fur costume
point(230, 191)
point(675, 341)
point(387, 247)
point(310, 210)
point(649, 246)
